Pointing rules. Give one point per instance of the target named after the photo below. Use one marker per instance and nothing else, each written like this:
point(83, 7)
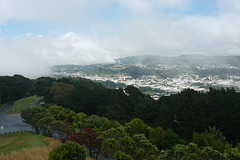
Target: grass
point(26, 146)
point(17, 141)
point(33, 146)
point(37, 104)
point(149, 93)
point(21, 104)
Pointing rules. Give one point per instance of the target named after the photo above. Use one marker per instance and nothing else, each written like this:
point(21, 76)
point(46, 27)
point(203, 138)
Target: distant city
point(161, 77)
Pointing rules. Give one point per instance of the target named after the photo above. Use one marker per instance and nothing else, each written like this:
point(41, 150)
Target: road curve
point(12, 122)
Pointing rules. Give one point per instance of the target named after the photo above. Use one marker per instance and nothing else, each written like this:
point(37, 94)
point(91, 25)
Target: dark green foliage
point(98, 123)
point(60, 92)
point(45, 125)
point(68, 151)
point(33, 115)
point(232, 153)
point(60, 113)
point(185, 113)
point(157, 136)
point(191, 152)
point(62, 128)
point(137, 126)
point(170, 139)
point(121, 156)
point(212, 138)
point(208, 139)
point(138, 146)
point(14, 88)
point(42, 87)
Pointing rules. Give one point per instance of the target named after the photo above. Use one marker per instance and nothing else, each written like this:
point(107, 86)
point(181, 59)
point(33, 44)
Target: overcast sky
point(36, 34)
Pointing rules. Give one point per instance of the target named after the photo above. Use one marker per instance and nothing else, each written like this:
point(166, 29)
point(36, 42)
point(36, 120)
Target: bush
point(68, 151)
point(122, 156)
point(232, 153)
point(170, 140)
point(88, 138)
point(208, 139)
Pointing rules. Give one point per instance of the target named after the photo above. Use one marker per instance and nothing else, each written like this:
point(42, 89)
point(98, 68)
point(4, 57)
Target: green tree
point(212, 138)
point(42, 87)
point(62, 128)
point(137, 126)
point(45, 125)
point(122, 156)
point(63, 114)
point(68, 151)
point(31, 116)
point(157, 136)
point(60, 92)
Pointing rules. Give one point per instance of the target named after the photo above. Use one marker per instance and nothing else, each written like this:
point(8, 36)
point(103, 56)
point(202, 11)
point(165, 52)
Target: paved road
point(33, 103)
point(12, 122)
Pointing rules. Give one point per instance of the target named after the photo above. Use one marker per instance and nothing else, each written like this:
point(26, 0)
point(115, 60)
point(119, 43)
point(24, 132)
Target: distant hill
point(162, 66)
point(192, 59)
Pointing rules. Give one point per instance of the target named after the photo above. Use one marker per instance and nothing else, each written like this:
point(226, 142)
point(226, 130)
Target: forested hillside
point(188, 114)
point(14, 88)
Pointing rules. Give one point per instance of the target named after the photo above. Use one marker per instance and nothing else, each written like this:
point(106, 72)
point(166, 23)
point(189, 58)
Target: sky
point(37, 34)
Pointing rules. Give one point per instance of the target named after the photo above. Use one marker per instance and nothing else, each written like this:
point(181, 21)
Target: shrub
point(232, 153)
point(121, 156)
point(88, 138)
point(68, 151)
point(208, 139)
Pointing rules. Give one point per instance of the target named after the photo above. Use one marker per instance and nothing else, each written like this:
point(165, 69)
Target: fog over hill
point(161, 75)
point(193, 59)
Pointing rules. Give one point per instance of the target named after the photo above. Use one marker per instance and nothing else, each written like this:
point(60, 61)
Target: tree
point(144, 148)
point(45, 125)
point(191, 152)
point(212, 138)
point(88, 138)
point(63, 114)
point(122, 156)
point(170, 139)
point(98, 123)
point(138, 146)
point(68, 151)
point(157, 136)
point(60, 92)
point(62, 128)
point(42, 87)
point(137, 126)
point(31, 116)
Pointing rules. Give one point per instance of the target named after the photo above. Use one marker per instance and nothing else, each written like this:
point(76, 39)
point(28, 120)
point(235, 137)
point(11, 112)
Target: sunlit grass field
point(21, 104)
point(26, 146)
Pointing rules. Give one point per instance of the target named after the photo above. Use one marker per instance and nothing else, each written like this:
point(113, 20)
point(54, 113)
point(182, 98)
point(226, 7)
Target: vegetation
point(21, 104)
point(14, 88)
point(127, 123)
point(68, 151)
point(18, 141)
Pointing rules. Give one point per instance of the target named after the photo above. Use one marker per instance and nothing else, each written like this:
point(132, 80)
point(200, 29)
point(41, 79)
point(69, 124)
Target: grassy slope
point(37, 104)
point(26, 146)
point(17, 141)
point(22, 104)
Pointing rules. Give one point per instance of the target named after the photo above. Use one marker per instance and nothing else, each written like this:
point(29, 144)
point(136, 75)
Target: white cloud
point(146, 29)
point(53, 11)
point(146, 5)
